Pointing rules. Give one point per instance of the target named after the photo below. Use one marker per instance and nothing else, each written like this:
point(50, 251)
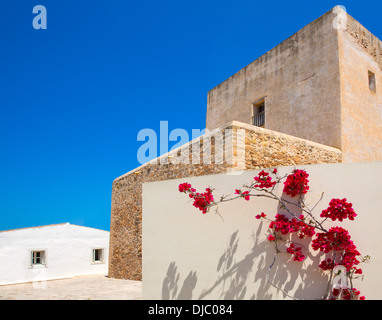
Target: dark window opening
point(97, 255)
point(258, 114)
point(38, 257)
point(372, 85)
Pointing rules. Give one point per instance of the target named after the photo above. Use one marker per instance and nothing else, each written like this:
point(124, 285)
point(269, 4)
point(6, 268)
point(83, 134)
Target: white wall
point(68, 252)
point(188, 255)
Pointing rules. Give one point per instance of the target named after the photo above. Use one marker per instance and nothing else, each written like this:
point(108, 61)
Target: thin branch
point(319, 200)
point(218, 213)
point(271, 283)
point(328, 286)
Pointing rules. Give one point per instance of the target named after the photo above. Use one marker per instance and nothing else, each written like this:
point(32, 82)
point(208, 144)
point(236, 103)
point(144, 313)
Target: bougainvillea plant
point(341, 254)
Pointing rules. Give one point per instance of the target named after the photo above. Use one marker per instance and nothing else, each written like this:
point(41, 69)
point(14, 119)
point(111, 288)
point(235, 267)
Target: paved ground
point(91, 287)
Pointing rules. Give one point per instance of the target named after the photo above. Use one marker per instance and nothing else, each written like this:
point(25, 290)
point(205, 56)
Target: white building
point(52, 252)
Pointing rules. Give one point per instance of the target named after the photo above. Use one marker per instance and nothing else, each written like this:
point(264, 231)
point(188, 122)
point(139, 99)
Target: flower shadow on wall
point(238, 276)
point(233, 271)
point(245, 277)
point(171, 285)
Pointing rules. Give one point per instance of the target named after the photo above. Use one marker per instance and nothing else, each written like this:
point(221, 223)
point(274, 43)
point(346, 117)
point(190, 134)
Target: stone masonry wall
point(361, 125)
point(235, 146)
point(365, 39)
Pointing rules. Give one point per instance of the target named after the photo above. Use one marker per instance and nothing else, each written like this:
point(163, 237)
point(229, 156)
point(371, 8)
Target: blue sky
point(73, 97)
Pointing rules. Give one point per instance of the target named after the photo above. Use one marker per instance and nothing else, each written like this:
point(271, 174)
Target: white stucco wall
point(68, 252)
point(188, 255)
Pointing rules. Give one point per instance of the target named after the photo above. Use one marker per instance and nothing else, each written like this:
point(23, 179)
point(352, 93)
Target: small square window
point(98, 256)
point(372, 85)
point(38, 258)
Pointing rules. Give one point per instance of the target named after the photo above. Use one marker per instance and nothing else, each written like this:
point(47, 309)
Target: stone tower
point(322, 84)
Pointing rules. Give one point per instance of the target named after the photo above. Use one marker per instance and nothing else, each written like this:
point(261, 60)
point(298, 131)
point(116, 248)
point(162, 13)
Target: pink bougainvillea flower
point(245, 195)
point(264, 180)
point(339, 209)
point(296, 183)
point(262, 215)
point(202, 201)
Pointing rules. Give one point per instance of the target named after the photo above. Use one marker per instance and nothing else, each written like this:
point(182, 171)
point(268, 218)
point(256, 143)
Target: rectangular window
point(372, 85)
point(38, 258)
point(258, 113)
point(98, 256)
